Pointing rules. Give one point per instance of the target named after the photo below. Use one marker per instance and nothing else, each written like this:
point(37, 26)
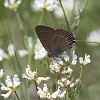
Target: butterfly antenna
point(86, 41)
point(40, 61)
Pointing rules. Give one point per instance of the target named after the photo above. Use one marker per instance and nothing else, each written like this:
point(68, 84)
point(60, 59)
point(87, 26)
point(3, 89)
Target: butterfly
point(55, 41)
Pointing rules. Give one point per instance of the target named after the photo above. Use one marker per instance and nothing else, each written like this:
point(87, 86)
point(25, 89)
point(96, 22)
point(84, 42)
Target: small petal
point(62, 95)
point(16, 80)
point(18, 2)
point(9, 82)
point(4, 87)
point(81, 60)
point(6, 3)
point(69, 70)
point(6, 95)
point(45, 89)
point(74, 61)
point(22, 53)
point(11, 50)
point(1, 73)
point(30, 42)
point(87, 58)
point(39, 79)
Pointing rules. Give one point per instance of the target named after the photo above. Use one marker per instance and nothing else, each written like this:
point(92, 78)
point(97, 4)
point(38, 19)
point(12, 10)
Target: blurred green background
point(90, 89)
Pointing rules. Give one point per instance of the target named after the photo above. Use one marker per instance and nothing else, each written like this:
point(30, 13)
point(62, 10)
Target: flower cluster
point(39, 50)
point(33, 76)
point(11, 52)
point(11, 85)
point(65, 83)
point(29, 47)
point(68, 8)
point(85, 61)
point(46, 94)
point(12, 4)
point(53, 5)
point(58, 64)
point(94, 36)
point(44, 4)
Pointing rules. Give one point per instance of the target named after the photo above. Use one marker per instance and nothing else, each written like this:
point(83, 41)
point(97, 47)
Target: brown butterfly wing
point(63, 41)
point(46, 36)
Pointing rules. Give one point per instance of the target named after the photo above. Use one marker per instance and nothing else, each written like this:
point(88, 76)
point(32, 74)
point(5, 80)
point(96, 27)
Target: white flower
point(55, 67)
point(67, 5)
point(39, 79)
point(9, 82)
point(29, 74)
point(94, 36)
point(30, 42)
point(45, 89)
point(39, 54)
point(22, 53)
point(62, 95)
point(33, 76)
point(11, 86)
point(43, 93)
point(4, 87)
point(1, 73)
point(69, 70)
point(6, 95)
point(56, 93)
point(75, 83)
point(11, 50)
point(58, 61)
point(65, 57)
point(39, 50)
point(44, 4)
point(3, 55)
point(81, 60)
point(68, 8)
point(74, 58)
point(67, 82)
point(86, 60)
point(16, 80)
point(12, 4)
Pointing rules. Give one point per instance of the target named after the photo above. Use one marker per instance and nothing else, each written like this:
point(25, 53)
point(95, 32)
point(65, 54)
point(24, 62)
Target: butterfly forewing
point(46, 36)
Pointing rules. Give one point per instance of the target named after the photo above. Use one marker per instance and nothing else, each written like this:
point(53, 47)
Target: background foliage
point(91, 21)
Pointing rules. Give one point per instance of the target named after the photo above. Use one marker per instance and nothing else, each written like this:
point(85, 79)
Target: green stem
point(27, 91)
point(10, 38)
point(86, 41)
point(41, 17)
point(36, 89)
point(67, 98)
point(80, 74)
point(67, 22)
point(51, 19)
point(17, 95)
point(81, 14)
point(19, 20)
point(29, 58)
